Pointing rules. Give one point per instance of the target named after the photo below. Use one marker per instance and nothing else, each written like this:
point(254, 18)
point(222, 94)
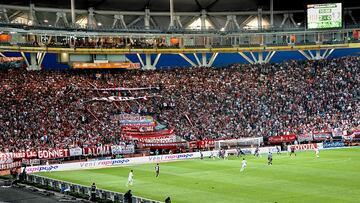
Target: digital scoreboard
point(323, 16)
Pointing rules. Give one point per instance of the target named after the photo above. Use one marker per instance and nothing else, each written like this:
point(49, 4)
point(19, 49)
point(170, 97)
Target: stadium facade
point(170, 33)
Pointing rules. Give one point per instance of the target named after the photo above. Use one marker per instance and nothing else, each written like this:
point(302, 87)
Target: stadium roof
point(179, 5)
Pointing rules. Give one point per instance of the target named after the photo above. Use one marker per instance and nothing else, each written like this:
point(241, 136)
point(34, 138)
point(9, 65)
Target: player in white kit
point(130, 178)
point(317, 152)
point(226, 154)
point(243, 164)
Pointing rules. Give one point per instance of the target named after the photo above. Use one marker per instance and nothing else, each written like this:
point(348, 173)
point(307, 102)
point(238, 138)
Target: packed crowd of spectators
point(54, 109)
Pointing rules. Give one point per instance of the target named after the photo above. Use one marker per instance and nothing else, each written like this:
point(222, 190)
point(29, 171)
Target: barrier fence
point(83, 190)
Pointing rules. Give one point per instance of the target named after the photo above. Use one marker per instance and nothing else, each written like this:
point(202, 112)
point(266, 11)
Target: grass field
point(334, 177)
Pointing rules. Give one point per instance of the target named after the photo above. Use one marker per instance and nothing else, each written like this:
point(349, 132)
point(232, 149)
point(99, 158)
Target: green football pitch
point(334, 177)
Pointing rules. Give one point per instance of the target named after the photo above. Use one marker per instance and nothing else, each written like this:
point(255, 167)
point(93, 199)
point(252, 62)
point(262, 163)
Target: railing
point(162, 30)
point(82, 190)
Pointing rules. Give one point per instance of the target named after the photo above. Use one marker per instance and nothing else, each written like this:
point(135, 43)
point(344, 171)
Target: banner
point(129, 120)
point(151, 134)
point(96, 151)
point(321, 135)
point(122, 149)
point(356, 133)
point(155, 139)
point(305, 137)
point(53, 153)
point(281, 139)
point(31, 161)
point(6, 158)
point(128, 161)
point(333, 144)
point(7, 166)
point(202, 144)
point(126, 88)
point(337, 132)
point(164, 145)
point(120, 99)
point(75, 151)
point(304, 146)
point(108, 65)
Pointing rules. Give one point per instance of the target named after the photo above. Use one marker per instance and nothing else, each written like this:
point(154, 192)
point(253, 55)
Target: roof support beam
point(156, 60)
point(25, 59)
point(272, 13)
point(3, 11)
point(61, 15)
point(197, 59)
point(32, 15)
point(269, 56)
point(119, 18)
point(73, 12)
point(246, 58)
point(172, 18)
point(212, 59)
point(187, 59)
point(140, 60)
point(203, 19)
point(135, 21)
point(147, 19)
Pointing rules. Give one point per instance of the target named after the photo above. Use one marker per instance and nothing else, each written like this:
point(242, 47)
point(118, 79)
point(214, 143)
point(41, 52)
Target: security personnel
point(93, 192)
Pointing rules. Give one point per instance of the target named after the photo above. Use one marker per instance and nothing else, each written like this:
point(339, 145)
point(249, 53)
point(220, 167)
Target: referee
point(269, 158)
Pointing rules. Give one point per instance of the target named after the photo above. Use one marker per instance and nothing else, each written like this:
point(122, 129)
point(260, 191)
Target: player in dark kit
point(269, 158)
point(157, 170)
point(292, 151)
point(257, 152)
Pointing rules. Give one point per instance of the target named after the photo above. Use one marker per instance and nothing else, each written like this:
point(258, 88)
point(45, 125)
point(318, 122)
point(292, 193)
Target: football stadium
point(185, 101)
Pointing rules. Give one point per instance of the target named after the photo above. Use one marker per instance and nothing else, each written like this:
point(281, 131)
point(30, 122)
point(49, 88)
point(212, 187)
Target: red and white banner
point(355, 133)
point(120, 99)
point(305, 137)
point(337, 132)
point(6, 158)
point(53, 153)
point(31, 154)
point(303, 146)
point(153, 133)
point(76, 151)
point(281, 139)
point(321, 135)
point(155, 139)
point(7, 166)
point(96, 151)
point(202, 144)
point(126, 88)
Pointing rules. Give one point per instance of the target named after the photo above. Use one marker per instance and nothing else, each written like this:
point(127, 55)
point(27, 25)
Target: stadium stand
point(53, 109)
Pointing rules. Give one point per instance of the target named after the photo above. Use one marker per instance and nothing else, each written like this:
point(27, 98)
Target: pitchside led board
point(324, 16)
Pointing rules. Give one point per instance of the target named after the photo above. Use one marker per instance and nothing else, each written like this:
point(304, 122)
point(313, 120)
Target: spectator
point(128, 197)
point(93, 193)
point(168, 200)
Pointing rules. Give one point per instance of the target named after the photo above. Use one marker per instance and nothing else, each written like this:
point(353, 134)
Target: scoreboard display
point(323, 16)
